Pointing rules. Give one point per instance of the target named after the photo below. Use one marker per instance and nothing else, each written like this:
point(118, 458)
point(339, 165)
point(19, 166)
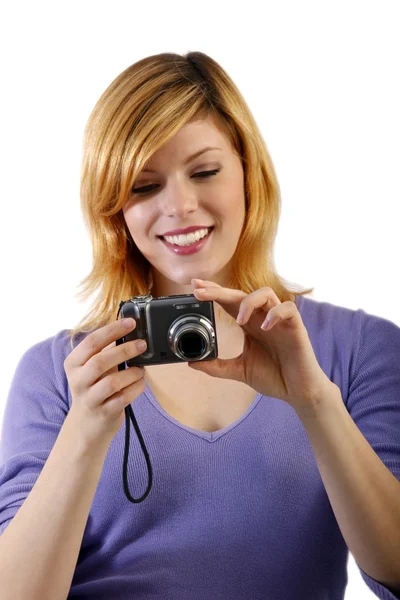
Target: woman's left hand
point(278, 361)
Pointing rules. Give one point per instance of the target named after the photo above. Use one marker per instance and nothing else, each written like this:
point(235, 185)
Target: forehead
point(206, 128)
point(189, 141)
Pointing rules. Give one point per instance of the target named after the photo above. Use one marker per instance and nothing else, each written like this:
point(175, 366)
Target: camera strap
point(129, 414)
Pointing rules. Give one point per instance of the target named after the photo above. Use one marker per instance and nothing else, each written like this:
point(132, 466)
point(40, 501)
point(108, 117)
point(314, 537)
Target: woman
point(271, 461)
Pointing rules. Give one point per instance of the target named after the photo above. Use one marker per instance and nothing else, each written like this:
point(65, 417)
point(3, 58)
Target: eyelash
point(204, 174)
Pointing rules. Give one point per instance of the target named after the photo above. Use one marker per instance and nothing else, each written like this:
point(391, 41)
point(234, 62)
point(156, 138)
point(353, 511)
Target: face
point(172, 193)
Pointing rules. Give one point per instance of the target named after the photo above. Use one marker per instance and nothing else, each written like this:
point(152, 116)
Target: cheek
point(138, 220)
point(232, 208)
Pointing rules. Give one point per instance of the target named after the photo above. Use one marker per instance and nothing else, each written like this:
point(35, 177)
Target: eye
point(149, 188)
point(207, 173)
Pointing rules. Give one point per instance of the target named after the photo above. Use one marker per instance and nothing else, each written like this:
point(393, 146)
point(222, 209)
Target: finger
point(116, 384)
point(102, 363)
point(225, 368)
point(110, 359)
point(263, 300)
point(204, 283)
point(97, 340)
point(286, 311)
point(229, 299)
point(114, 368)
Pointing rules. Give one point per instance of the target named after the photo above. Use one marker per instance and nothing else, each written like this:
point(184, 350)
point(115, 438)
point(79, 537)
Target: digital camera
point(176, 329)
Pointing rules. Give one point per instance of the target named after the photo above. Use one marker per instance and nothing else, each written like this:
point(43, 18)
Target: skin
point(181, 200)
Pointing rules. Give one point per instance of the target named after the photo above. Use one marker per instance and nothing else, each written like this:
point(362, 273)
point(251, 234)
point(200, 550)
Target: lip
point(186, 250)
point(187, 230)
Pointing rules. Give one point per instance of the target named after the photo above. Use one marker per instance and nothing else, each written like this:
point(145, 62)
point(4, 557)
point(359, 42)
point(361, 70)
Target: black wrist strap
point(130, 415)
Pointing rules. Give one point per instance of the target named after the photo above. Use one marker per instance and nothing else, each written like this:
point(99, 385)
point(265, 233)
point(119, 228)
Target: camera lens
point(192, 345)
point(191, 337)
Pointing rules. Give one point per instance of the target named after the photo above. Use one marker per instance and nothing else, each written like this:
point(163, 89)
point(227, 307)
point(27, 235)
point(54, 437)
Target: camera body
point(177, 328)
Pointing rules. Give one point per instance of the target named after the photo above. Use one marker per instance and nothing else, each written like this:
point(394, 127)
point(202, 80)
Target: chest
point(198, 400)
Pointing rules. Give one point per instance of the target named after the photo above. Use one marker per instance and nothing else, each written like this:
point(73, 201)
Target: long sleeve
point(35, 410)
point(374, 402)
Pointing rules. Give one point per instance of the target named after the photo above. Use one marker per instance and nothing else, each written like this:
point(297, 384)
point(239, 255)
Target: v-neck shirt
point(239, 513)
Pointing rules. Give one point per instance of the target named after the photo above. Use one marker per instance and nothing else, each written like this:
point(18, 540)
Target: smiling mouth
point(185, 240)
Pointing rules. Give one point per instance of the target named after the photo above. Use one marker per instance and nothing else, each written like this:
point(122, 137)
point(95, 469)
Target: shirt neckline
point(211, 436)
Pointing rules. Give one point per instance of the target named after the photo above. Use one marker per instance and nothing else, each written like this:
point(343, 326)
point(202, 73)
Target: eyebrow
point(190, 158)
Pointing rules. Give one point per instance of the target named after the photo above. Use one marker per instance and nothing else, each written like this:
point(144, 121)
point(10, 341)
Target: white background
point(322, 80)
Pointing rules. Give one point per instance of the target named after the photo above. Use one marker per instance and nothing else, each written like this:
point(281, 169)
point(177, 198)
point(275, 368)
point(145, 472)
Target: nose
point(178, 200)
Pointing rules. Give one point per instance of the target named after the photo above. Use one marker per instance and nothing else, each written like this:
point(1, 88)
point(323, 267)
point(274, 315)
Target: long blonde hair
point(142, 109)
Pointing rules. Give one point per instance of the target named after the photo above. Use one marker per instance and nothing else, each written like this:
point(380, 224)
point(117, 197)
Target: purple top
point(240, 513)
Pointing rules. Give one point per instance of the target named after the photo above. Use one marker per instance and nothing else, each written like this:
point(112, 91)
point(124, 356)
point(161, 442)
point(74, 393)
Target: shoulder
point(325, 318)
point(54, 348)
point(41, 366)
point(348, 341)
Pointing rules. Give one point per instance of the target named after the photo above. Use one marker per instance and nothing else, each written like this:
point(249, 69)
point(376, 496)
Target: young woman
point(267, 464)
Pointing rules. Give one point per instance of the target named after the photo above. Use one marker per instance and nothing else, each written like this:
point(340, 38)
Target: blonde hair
point(142, 109)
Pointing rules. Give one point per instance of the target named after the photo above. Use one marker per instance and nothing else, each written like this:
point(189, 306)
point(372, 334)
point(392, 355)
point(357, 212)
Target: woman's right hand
point(99, 391)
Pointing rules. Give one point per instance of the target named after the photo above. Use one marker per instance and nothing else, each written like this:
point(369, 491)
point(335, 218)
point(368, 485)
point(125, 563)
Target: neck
point(162, 286)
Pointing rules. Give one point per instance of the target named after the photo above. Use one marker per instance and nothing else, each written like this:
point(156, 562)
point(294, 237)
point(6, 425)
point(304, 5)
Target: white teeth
point(187, 240)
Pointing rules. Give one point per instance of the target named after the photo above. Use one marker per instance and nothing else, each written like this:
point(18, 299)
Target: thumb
point(231, 368)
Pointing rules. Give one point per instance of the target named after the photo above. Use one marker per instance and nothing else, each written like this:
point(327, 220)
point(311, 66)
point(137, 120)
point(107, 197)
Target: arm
point(363, 493)
point(39, 548)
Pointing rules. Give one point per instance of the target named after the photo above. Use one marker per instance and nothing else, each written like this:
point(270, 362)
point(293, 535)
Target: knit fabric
point(239, 513)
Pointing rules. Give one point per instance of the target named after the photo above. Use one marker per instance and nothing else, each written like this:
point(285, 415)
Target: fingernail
point(240, 317)
point(141, 345)
point(266, 324)
point(128, 323)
